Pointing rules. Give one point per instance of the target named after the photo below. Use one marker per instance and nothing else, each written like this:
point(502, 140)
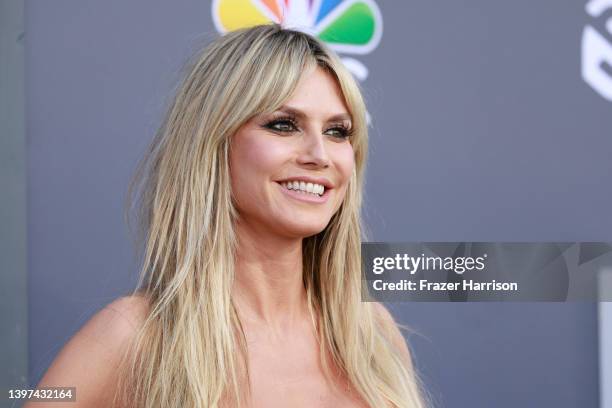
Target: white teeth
point(303, 187)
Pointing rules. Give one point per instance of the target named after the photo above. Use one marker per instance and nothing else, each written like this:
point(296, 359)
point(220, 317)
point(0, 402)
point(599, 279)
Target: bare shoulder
point(382, 311)
point(386, 318)
point(133, 310)
point(90, 359)
point(392, 329)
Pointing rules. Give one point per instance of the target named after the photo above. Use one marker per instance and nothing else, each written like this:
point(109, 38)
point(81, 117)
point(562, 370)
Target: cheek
point(254, 159)
point(345, 162)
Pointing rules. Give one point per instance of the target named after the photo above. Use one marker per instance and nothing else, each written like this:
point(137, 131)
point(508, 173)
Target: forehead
point(318, 94)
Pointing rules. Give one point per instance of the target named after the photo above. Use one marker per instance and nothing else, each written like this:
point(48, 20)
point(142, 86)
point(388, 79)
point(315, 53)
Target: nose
point(312, 151)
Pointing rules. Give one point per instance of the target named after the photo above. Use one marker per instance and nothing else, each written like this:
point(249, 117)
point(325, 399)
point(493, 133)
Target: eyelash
point(344, 131)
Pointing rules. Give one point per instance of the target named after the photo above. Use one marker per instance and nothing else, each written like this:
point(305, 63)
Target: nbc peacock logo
point(349, 27)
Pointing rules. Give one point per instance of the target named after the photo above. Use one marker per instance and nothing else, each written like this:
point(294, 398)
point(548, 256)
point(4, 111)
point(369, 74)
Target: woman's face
point(304, 145)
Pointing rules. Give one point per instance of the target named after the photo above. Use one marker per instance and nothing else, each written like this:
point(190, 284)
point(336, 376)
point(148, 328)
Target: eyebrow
point(299, 114)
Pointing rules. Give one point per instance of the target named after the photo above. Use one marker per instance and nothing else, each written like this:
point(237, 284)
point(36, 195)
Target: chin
point(304, 230)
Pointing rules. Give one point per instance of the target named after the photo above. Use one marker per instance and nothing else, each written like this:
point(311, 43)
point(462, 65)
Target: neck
point(268, 287)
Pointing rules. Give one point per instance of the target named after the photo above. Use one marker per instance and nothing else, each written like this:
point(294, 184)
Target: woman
point(250, 293)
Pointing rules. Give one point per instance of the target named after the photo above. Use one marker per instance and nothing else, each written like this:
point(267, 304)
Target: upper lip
point(307, 179)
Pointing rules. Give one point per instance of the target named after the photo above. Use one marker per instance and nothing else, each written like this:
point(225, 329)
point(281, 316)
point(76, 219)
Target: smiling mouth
point(302, 187)
point(291, 190)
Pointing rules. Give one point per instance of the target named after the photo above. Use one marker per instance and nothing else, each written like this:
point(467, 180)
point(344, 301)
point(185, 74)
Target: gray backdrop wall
point(13, 241)
point(483, 129)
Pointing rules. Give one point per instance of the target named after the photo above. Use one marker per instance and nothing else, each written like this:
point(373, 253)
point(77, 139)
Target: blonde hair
point(190, 351)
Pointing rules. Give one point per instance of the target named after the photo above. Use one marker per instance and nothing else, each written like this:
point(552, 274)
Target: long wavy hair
point(191, 350)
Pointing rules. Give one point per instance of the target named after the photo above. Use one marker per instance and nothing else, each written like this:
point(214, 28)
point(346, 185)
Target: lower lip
point(309, 198)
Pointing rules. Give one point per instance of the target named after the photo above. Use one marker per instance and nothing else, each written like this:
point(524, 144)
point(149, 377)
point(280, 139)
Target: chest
point(289, 374)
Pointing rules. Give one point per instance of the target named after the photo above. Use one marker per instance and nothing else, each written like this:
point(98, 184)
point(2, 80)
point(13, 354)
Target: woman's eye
point(282, 125)
point(339, 132)
point(288, 125)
